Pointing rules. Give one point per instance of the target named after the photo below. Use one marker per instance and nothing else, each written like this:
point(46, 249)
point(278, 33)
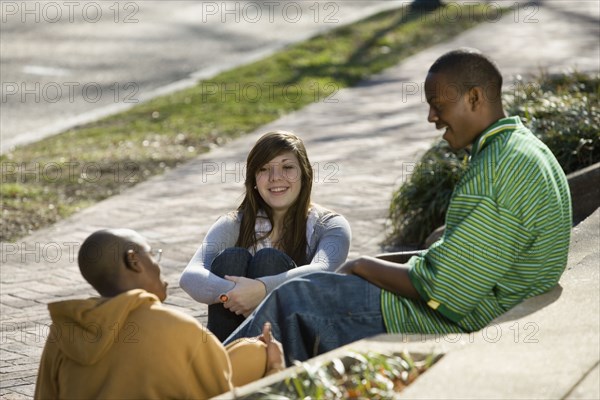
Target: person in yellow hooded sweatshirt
point(127, 345)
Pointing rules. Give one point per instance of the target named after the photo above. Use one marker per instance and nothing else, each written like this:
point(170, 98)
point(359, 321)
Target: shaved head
point(102, 257)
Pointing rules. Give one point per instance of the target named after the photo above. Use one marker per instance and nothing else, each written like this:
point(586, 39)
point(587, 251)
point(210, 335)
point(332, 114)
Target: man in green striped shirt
point(506, 238)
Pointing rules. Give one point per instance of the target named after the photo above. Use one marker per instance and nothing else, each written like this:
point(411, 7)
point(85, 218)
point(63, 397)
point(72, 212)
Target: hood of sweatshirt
point(85, 329)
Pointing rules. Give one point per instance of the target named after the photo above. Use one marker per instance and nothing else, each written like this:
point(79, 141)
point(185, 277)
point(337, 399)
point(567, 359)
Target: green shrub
point(561, 110)
point(356, 375)
point(419, 205)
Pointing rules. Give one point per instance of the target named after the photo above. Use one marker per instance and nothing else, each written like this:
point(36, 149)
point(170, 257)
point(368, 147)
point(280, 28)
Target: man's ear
point(475, 96)
point(132, 261)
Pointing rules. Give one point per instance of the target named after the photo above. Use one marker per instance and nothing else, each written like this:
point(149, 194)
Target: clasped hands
point(245, 295)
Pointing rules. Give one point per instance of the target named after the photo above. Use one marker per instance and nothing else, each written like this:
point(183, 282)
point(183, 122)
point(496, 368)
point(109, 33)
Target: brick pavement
point(362, 145)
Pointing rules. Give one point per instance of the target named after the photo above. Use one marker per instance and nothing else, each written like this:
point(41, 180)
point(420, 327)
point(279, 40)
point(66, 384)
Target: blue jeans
point(236, 261)
point(317, 313)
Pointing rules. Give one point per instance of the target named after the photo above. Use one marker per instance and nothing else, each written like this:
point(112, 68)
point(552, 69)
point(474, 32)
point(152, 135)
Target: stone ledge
point(585, 191)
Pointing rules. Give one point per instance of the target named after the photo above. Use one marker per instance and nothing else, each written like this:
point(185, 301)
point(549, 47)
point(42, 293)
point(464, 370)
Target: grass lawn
point(55, 177)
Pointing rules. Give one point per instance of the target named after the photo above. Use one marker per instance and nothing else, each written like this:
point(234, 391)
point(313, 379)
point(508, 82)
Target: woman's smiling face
point(279, 181)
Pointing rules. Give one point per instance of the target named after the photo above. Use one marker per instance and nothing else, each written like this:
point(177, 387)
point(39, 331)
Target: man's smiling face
point(450, 110)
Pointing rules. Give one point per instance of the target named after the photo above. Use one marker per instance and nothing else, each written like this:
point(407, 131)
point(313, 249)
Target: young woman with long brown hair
point(276, 234)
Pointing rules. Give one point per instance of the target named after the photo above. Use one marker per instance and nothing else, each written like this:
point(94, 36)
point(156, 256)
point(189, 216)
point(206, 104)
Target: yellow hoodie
point(132, 347)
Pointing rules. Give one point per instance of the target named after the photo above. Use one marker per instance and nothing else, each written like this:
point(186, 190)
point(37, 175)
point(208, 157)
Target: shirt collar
point(262, 226)
point(503, 124)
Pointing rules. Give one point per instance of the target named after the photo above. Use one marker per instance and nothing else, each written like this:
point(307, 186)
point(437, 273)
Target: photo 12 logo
point(69, 171)
point(270, 11)
point(268, 92)
point(68, 332)
point(53, 92)
point(223, 172)
point(69, 11)
point(38, 252)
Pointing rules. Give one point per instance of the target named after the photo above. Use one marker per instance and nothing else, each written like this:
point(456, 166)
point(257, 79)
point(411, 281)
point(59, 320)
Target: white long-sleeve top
point(328, 236)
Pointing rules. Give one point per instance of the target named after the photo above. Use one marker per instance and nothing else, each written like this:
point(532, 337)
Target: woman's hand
point(245, 296)
point(275, 360)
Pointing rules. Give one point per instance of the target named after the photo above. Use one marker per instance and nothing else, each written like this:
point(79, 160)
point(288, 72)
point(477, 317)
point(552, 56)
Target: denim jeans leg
point(317, 313)
point(269, 261)
point(231, 261)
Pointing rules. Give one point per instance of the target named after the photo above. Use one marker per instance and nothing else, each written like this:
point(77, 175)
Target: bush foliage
point(419, 205)
point(562, 110)
point(357, 375)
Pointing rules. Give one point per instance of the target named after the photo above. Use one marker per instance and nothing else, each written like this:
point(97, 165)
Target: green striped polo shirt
point(506, 239)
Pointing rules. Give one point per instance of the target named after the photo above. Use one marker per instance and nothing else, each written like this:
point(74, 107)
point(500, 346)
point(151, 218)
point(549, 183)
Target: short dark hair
point(101, 256)
point(469, 68)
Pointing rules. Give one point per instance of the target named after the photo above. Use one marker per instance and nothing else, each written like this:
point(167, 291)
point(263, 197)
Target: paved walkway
point(90, 67)
point(362, 147)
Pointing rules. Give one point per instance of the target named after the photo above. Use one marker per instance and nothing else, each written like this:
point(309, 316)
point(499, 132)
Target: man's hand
point(385, 274)
point(275, 360)
point(348, 267)
point(245, 296)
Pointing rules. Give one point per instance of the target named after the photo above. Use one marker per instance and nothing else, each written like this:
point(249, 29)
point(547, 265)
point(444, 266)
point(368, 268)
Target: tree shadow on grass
point(348, 72)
